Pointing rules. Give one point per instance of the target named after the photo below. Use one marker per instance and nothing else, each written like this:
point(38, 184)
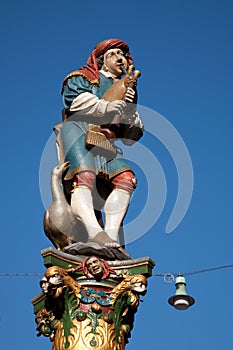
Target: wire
point(20, 274)
point(168, 277)
point(207, 270)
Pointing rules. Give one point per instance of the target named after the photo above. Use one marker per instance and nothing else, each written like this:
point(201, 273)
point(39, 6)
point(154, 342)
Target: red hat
point(91, 71)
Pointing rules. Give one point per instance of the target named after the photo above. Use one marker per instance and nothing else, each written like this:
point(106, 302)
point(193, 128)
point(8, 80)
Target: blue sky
point(184, 50)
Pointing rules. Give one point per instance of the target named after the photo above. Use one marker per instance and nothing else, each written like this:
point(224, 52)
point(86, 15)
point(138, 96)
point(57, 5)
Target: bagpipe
point(100, 137)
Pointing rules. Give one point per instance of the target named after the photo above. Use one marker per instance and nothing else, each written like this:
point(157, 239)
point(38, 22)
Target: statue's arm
point(79, 99)
point(88, 104)
point(75, 87)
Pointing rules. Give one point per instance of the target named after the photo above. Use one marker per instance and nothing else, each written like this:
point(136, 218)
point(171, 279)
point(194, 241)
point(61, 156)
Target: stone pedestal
point(78, 310)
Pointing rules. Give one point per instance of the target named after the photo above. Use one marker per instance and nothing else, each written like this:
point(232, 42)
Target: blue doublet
point(73, 132)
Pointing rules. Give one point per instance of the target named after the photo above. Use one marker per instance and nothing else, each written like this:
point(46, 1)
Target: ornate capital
point(89, 306)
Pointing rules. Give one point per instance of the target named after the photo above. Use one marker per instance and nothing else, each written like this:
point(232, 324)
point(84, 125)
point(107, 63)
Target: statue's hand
point(129, 94)
point(116, 107)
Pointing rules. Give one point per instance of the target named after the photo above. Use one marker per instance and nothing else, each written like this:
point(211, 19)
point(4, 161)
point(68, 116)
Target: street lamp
point(181, 301)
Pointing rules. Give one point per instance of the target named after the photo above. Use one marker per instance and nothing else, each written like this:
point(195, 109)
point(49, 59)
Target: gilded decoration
point(89, 306)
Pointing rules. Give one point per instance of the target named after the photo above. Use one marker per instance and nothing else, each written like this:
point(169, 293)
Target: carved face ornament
point(139, 284)
point(44, 284)
point(95, 266)
point(54, 276)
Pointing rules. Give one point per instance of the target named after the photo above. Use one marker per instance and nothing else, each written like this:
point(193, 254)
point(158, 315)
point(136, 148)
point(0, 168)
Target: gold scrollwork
point(85, 339)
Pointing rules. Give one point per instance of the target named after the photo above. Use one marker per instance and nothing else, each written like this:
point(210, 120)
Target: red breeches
point(125, 181)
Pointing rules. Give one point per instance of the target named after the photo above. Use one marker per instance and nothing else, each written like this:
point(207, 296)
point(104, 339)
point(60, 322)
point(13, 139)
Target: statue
point(91, 288)
point(99, 107)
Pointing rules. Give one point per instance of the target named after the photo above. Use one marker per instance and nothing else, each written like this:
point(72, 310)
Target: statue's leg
point(82, 207)
point(117, 203)
point(82, 202)
point(114, 210)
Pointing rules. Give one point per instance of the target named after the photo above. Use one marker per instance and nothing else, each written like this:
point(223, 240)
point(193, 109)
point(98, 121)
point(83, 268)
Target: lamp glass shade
point(181, 301)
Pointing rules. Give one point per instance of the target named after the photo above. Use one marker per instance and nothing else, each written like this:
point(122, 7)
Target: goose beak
point(65, 165)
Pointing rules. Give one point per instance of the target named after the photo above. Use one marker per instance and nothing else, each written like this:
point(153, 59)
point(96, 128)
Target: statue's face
point(114, 60)
point(95, 267)
point(44, 284)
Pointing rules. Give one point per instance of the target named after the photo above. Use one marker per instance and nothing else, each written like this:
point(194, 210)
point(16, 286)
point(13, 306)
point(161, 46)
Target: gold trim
point(130, 266)
point(85, 279)
point(77, 73)
point(82, 336)
point(76, 170)
point(36, 300)
point(119, 171)
point(83, 284)
point(72, 262)
point(109, 262)
point(79, 186)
